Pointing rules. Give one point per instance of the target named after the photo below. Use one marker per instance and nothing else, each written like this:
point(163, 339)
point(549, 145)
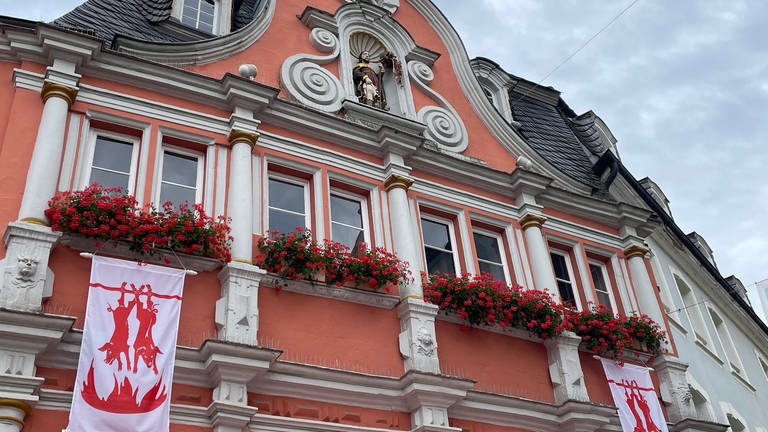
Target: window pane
point(496, 270)
point(566, 292)
point(487, 248)
point(558, 263)
point(346, 235)
point(112, 154)
point(180, 169)
point(286, 196)
point(601, 288)
point(347, 211)
point(439, 261)
point(176, 194)
point(284, 222)
point(436, 234)
point(109, 179)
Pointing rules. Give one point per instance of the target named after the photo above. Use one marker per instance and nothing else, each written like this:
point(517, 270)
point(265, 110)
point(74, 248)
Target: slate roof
point(546, 130)
point(143, 20)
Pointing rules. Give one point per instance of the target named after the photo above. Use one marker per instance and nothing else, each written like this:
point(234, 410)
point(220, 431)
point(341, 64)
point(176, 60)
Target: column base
point(237, 311)
point(565, 368)
point(418, 342)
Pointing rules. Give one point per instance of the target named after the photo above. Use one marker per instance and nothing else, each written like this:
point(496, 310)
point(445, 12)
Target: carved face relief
point(26, 268)
point(425, 342)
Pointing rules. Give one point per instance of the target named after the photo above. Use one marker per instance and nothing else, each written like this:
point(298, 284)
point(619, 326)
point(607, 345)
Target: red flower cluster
point(609, 335)
point(107, 214)
point(482, 300)
point(297, 256)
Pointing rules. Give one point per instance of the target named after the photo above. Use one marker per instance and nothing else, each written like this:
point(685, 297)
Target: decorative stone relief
point(430, 416)
point(231, 392)
point(307, 82)
point(418, 344)
point(17, 363)
point(444, 126)
point(26, 276)
point(390, 5)
point(565, 368)
point(674, 387)
point(237, 311)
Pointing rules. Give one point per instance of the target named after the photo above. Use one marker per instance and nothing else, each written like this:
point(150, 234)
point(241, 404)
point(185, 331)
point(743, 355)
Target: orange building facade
point(268, 125)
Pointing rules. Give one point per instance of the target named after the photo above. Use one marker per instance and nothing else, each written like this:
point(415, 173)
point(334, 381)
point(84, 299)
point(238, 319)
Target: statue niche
point(377, 73)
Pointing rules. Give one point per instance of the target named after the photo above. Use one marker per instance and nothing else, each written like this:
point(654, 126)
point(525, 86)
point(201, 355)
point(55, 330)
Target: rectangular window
point(727, 343)
point(763, 364)
point(602, 285)
point(288, 206)
point(691, 307)
point(564, 277)
point(349, 219)
point(439, 247)
point(199, 14)
point(490, 255)
point(113, 162)
point(181, 177)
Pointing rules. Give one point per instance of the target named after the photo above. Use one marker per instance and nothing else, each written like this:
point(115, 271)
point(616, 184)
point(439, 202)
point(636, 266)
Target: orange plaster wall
point(50, 420)
point(70, 294)
point(334, 413)
point(330, 333)
point(18, 142)
point(499, 363)
point(579, 220)
point(473, 426)
point(595, 380)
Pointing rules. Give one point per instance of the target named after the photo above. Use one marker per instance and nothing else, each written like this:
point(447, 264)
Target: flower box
point(342, 293)
point(120, 249)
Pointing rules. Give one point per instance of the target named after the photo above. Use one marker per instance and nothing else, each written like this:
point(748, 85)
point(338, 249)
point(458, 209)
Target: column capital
point(397, 181)
point(636, 251)
point(531, 220)
point(51, 89)
point(238, 136)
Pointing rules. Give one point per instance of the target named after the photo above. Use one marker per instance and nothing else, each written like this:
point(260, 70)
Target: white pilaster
point(644, 289)
point(418, 342)
point(241, 193)
point(538, 254)
point(565, 368)
point(237, 311)
point(404, 235)
point(58, 94)
point(26, 278)
point(12, 414)
point(673, 384)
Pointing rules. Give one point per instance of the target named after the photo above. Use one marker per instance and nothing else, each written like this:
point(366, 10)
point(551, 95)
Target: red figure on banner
point(631, 403)
point(144, 345)
point(118, 343)
point(650, 426)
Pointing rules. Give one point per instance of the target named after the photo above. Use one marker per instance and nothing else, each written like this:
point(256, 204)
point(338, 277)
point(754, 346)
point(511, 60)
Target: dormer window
point(199, 14)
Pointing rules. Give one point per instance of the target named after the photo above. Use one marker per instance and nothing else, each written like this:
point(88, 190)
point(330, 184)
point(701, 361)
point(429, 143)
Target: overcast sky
point(683, 85)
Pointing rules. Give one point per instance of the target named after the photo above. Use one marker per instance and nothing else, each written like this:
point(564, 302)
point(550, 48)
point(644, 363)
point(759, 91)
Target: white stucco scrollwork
point(444, 126)
point(307, 82)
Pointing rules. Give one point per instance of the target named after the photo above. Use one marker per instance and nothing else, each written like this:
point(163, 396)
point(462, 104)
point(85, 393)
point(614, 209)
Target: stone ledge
point(319, 289)
point(119, 249)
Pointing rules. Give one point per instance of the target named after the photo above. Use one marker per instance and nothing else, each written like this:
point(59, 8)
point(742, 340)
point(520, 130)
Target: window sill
point(319, 289)
point(121, 250)
point(711, 353)
point(742, 379)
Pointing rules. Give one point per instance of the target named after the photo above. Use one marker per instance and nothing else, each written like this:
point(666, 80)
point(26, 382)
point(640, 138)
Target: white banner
point(635, 397)
point(762, 292)
point(129, 346)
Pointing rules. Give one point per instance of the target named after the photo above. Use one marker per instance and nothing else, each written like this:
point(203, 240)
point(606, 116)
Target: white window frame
point(726, 342)
point(730, 411)
point(574, 286)
point(451, 237)
point(305, 184)
point(502, 251)
point(698, 324)
point(200, 176)
point(222, 15)
point(606, 278)
point(216, 14)
point(91, 148)
point(363, 212)
point(762, 362)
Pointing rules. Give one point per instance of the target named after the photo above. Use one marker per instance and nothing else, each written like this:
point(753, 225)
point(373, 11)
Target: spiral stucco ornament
point(306, 81)
point(444, 126)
